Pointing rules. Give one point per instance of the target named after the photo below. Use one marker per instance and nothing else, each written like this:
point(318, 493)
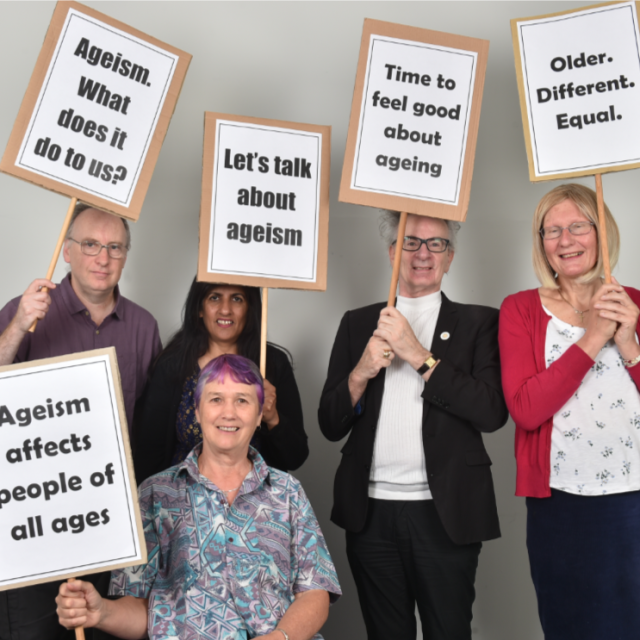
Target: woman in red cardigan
point(571, 376)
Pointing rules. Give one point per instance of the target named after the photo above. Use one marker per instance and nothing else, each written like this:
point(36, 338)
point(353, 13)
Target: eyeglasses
point(435, 245)
point(93, 248)
point(575, 229)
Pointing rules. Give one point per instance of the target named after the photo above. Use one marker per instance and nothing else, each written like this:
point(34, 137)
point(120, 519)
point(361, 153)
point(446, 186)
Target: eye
point(238, 299)
point(90, 244)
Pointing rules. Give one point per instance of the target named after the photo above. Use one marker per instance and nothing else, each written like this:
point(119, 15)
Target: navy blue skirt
point(584, 553)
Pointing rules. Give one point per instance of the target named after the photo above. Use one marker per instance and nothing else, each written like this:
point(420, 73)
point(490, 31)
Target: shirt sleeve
point(138, 581)
point(312, 565)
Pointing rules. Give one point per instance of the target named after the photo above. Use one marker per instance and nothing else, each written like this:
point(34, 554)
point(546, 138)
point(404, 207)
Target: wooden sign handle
point(602, 230)
point(79, 630)
point(402, 225)
point(263, 332)
point(56, 253)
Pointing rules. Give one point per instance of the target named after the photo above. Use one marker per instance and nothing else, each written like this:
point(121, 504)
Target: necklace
point(577, 311)
point(225, 491)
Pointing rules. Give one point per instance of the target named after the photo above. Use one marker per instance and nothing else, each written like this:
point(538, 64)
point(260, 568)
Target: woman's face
point(228, 413)
point(224, 313)
point(570, 256)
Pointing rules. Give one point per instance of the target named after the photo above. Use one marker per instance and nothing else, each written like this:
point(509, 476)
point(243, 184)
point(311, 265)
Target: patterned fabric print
point(220, 572)
point(596, 434)
point(188, 430)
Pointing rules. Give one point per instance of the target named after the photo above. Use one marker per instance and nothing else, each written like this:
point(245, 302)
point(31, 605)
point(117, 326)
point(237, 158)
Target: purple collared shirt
point(220, 571)
point(68, 328)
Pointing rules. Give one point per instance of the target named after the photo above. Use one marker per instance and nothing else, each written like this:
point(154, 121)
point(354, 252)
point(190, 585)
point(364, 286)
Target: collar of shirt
point(258, 475)
point(74, 304)
point(430, 301)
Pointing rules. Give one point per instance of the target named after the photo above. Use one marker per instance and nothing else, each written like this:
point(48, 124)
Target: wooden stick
point(79, 630)
point(56, 253)
point(263, 332)
point(402, 225)
point(602, 230)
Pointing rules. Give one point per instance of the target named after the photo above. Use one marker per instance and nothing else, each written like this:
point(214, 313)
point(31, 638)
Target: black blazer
point(462, 398)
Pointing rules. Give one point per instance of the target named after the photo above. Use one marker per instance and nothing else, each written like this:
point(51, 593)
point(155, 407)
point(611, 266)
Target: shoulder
point(475, 313)
point(161, 486)
point(523, 299)
point(364, 314)
point(286, 485)
point(135, 314)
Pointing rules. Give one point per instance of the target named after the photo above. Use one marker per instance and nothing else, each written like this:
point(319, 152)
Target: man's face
point(93, 276)
point(421, 271)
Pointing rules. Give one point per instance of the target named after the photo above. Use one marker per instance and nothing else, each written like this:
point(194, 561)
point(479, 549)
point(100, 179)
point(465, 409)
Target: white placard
point(97, 110)
point(581, 76)
point(265, 209)
point(414, 120)
point(66, 502)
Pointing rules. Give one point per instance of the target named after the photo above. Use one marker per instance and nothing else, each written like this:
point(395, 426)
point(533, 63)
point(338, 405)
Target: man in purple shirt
point(85, 311)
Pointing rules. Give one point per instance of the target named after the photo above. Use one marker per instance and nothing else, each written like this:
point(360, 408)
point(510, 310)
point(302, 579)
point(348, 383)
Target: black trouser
point(404, 557)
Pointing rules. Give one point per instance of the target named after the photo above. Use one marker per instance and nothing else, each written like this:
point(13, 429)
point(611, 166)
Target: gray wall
point(297, 61)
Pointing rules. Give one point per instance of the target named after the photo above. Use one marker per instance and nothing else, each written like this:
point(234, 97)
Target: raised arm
point(33, 306)
point(534, 392)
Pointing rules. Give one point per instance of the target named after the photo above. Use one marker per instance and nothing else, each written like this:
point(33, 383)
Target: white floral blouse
point(595, 441)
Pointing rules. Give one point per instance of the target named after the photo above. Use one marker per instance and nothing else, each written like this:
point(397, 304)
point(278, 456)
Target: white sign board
point(579, 75)
point(414, 120)
point(67, 497)
point(266, 214)
point(95, 114)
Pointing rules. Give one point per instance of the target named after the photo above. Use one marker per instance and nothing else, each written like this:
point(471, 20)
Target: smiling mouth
point(229, 429)
point(224, 323)
point(571, 255)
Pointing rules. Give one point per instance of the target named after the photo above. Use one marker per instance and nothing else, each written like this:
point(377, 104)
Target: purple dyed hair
point(238, 368)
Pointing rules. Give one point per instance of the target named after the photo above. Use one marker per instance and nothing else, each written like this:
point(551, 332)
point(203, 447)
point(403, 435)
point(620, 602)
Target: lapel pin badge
point(445, 335)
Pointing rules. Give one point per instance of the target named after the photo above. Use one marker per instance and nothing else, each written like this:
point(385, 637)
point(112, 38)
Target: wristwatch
point(429, 363)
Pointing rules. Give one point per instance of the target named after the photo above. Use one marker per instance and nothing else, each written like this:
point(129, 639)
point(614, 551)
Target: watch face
point(430, 362)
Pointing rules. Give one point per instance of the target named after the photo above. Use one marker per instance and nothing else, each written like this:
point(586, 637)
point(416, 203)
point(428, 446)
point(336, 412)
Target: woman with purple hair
point(234, 548)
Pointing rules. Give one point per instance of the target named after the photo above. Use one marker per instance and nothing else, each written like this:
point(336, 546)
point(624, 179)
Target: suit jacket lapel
point(446, 324)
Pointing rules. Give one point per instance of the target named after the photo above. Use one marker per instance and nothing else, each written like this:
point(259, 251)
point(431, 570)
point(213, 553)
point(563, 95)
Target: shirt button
point(230, 539)
point(86, 313)
point(97, 332)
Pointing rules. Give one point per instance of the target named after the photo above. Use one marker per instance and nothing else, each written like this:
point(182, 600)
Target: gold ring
point(386, 353)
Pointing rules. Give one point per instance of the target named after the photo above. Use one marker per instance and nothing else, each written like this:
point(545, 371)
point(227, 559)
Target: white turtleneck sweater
point(398, 471)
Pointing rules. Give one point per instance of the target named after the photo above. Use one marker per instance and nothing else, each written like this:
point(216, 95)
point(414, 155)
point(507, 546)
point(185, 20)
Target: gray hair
point(81, 207)
point(389, 221)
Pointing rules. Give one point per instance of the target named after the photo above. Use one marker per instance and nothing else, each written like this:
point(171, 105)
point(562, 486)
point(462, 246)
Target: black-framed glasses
point(91, 247)
point(575, 229)
point(435, 245)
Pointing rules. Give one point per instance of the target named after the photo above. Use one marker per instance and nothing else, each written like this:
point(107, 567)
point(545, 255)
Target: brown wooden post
point(402, 225)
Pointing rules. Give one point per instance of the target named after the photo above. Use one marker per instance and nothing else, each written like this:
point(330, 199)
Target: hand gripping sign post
point(579, 83)
point(414, 123)
point(264, 218)
point(68, 505)
point(95, 113)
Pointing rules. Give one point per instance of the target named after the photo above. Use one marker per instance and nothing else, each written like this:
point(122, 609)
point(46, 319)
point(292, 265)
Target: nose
point(566, 237)
point(103, 258)
point(225, 306)
point(423, 253)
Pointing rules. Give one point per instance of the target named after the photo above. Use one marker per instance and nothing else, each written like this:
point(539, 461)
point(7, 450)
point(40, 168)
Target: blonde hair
point(585, 199)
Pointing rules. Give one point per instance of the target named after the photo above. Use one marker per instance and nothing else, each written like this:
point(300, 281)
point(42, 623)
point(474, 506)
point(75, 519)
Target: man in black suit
point(414, 387)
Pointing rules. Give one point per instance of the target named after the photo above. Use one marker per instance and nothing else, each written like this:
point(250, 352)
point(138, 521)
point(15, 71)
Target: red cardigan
point(533, 392)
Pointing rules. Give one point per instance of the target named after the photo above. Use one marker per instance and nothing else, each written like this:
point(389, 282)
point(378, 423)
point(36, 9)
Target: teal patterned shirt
point(225, 572)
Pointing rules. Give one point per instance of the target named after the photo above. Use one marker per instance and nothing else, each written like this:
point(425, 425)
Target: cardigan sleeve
point(285, 446)
point(533, 392)
point(154, 426)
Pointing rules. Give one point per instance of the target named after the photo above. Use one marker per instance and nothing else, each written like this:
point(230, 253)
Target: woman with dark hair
point(218, 319)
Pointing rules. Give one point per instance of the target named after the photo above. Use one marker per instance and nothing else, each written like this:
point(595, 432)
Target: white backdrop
point(297, 61)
